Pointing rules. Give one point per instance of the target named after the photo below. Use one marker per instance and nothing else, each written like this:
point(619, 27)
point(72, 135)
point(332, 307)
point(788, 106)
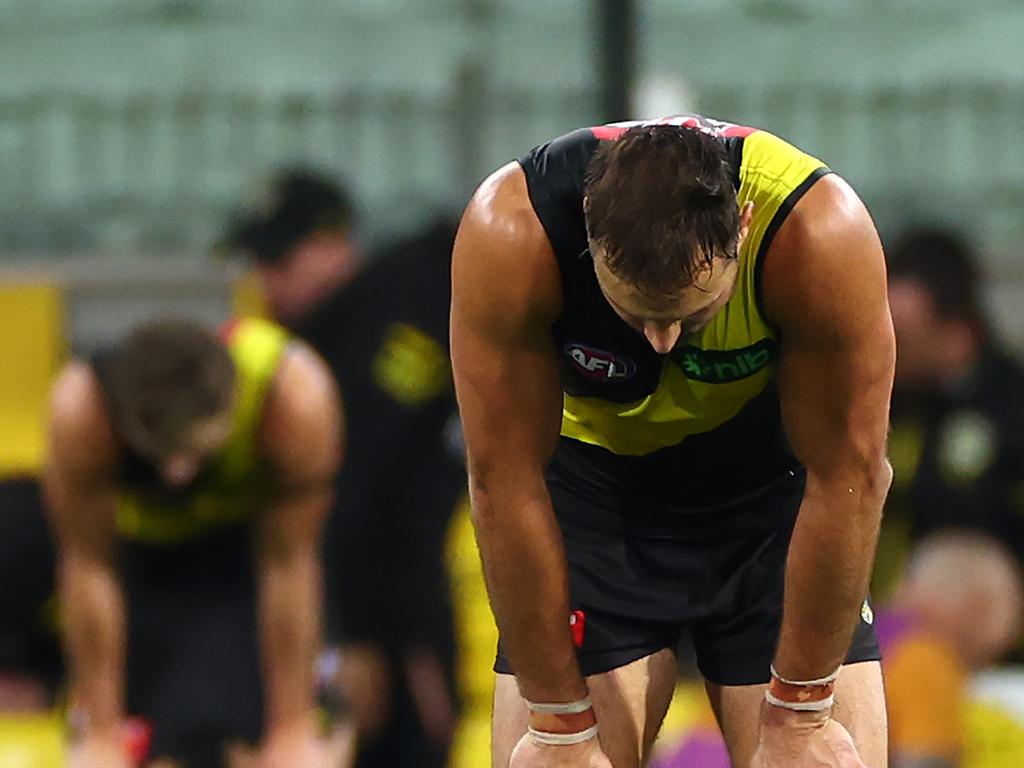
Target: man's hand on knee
point(560, 735)
point(531, 754)
point(793, 739)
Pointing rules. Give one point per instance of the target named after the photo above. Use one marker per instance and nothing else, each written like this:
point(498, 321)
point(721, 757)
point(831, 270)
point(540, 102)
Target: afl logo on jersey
point(599, 364)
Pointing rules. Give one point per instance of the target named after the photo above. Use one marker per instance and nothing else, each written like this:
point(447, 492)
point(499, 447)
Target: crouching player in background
point(188, 478)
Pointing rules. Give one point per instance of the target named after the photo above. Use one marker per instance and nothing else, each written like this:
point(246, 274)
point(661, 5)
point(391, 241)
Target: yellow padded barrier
point(31, 741)
point(476, 639)
point(32, 347)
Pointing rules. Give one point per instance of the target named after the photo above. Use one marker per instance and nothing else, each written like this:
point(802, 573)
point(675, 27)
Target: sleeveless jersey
point(233, 484)
point(700, 427)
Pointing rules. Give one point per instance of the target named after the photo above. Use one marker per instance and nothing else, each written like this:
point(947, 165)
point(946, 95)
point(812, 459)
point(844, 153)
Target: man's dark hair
point(944, 263)
point(164, 378)
point(294, 204)
point(661, 204)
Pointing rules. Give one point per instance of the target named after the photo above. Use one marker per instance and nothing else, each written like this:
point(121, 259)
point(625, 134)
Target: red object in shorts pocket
point(578, 625)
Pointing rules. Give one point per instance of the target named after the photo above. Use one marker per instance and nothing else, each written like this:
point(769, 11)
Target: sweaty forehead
point(676, 305)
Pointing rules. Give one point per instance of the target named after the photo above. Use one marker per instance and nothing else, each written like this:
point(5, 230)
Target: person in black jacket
point(382, 328)
point(957, 443)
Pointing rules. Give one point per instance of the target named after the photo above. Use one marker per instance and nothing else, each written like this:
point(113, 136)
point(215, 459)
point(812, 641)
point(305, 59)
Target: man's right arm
point(505, 296)
point(81, 499)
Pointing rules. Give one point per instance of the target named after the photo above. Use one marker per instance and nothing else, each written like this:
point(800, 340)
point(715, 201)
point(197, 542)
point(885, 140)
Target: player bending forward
point(673, 355)
point(188, 478)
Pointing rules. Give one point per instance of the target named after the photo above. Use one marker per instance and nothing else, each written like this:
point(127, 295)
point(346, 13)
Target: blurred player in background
point(957, 443)
point(188, 478)
point(699, 310)
point(30, 659)
point(382, 327)
point(957, 609)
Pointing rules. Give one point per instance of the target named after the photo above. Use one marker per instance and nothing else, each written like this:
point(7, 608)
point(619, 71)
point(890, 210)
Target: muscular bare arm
point(81, 498)
point(505, 296)
point(301, 438)
point(824, 284)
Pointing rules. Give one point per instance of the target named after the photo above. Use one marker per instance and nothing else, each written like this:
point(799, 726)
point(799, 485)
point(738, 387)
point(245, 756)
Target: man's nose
point(662, 337)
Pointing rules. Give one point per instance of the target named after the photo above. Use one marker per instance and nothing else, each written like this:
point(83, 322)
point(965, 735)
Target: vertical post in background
point(470, 105)
point(616, 55)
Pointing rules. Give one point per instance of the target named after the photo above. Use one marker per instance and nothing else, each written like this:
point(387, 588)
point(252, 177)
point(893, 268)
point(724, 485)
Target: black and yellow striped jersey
point(234, 483)
point(700, 427)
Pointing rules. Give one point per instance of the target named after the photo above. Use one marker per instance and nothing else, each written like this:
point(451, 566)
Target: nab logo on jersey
point(598, 364)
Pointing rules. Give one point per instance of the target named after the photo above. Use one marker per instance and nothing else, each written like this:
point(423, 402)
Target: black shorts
point(721, 582)
point(193, 673)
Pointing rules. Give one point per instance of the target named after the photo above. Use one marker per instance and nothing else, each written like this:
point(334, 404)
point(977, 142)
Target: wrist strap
point(801, 696)
point(568, 708)
point(561, 739)
point(806, 683)
point(801, 706)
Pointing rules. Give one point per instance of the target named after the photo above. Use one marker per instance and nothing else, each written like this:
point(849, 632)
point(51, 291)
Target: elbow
point(497, 488)
point(481, 494)
point(866, 475)
point(875, 472)
point(882, 477)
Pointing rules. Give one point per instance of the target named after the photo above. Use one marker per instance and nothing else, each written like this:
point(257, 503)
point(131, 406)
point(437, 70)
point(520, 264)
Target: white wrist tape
point(820, 681)
point(801, 706)
point(561, 739)
point(568, 708)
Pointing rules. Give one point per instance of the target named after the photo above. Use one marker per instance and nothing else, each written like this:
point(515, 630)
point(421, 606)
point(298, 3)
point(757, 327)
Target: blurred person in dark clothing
point(383, 329)
point(957, 442)
point(30, 659)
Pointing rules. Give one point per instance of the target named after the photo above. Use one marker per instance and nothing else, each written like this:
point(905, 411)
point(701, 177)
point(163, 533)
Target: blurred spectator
point(383, 329)
point(957, 609)
point(188, 476)
point(957, 442)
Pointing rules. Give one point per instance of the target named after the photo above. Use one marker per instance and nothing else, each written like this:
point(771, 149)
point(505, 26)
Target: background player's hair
point(165, 377)
point(661, 205)
point(944, 263)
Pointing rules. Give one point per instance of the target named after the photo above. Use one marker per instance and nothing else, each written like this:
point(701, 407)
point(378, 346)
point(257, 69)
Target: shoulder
point(825, 260)
point(501, 207)
point(301, 425)
point(503, 260)
point(80, 434)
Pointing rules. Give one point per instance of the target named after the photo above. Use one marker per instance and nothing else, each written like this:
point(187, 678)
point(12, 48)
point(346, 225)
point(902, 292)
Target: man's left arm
point(301, 438)
point(825, 287)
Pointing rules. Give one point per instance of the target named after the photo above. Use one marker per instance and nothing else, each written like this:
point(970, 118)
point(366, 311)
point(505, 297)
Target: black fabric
point(29, 644)
point(684, 487)
point(193, 671)
point(937, 493)
point(639, 594)
point(403, 474)
point(401, 478)
point(722, 466)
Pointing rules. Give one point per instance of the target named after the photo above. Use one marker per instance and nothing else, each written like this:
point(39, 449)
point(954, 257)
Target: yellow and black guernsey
point(700, 428)
point(234, 483)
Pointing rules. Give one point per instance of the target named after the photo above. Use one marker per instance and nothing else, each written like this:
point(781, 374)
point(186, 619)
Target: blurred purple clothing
point(701, 748)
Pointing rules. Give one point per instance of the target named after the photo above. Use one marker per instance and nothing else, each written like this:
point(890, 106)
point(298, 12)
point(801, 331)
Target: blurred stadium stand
point(133, 126)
